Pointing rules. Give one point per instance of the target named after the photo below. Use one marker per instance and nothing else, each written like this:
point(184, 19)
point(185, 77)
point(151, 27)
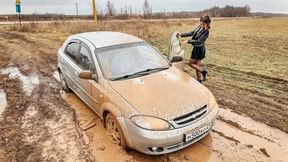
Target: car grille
point(191, 117)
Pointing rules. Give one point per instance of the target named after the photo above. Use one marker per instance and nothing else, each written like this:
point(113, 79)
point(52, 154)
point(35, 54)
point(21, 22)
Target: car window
point(72, 49)
point(83, 59)
point(121, 60)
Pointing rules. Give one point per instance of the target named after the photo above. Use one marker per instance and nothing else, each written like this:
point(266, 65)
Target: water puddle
point(3, 101)
point(270, 141)
point(28, 83)
point(56, 76)
point(251, 126)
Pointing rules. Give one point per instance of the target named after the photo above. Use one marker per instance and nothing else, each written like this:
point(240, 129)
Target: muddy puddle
point(233, 138)
point(3, 101)
point(28, 83)
point(94, 133)
point(56, 75)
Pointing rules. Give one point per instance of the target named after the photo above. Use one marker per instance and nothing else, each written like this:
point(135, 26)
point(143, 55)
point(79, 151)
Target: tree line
point(147, 12)
point(229, 11)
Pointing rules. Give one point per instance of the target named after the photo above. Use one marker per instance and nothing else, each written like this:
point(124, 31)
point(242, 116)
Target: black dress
point(199, 36)
point(198, 53)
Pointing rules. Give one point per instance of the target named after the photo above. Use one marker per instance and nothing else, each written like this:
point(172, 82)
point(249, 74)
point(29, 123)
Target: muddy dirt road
point(39, 122)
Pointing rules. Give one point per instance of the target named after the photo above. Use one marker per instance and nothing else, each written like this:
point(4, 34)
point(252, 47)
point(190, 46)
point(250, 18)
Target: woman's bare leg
point(193, 64)
point(192, 61)
point(198, 71)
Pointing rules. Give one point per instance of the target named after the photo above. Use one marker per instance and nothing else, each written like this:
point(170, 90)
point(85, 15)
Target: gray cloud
point(68, 6)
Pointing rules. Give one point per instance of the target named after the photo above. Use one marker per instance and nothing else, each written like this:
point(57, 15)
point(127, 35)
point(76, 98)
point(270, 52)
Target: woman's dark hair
point(206, 20)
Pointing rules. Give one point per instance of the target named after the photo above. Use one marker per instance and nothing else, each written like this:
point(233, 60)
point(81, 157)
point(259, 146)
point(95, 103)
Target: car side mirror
point(176, 59)
point(85, 74)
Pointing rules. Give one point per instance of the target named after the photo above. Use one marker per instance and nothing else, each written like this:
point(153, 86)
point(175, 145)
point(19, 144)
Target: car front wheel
point(114, 130)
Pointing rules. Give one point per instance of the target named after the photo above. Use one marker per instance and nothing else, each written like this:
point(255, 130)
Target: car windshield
point(129, 60)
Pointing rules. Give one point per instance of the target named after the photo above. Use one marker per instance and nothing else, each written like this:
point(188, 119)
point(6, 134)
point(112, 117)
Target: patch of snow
point(28, 83)
point(3, 101)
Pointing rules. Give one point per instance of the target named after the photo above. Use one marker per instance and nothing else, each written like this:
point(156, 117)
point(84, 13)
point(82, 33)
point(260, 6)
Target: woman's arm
point(200, 40)
point(188, 34)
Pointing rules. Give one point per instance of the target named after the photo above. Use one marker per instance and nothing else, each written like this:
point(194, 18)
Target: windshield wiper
point(153, 70)
point(125, 77)
point(140, 73)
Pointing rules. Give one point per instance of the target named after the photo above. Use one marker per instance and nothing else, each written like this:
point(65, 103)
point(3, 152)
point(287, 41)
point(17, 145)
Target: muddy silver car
point(146, 102)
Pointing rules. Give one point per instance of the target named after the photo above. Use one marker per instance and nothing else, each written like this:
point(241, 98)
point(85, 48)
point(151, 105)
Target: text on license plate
point(190, 136)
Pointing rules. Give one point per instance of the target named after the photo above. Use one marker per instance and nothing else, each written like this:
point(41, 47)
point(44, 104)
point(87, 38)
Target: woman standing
point(198, 38)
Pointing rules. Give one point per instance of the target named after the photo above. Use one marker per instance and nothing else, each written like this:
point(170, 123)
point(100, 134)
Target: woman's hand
point(184, 42)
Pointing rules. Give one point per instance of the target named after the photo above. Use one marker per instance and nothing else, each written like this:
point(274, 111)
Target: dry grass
point(246, 58)
point(134, 27)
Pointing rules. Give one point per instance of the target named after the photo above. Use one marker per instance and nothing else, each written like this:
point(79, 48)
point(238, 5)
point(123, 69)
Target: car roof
point(104, 38)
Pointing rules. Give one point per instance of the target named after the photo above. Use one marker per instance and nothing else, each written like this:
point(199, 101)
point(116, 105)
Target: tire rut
point(39, 127)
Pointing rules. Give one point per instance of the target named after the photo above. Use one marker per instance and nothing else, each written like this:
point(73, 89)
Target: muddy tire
point(63, 83)
point(114, 130)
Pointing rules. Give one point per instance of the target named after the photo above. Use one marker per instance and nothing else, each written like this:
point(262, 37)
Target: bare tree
point(147, 9)
point(110, 8)
point(123, 14)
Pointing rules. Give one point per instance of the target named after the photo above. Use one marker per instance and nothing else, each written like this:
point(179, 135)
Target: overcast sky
point(68, 6)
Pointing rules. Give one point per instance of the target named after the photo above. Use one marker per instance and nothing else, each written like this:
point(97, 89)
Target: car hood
point(167, 94)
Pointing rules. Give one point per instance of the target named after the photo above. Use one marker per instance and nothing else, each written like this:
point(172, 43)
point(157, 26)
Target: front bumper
point(169, 141)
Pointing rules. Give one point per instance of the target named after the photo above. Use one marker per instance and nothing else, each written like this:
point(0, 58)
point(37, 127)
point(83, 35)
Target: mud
point(225, 143)
point(40, 122)
point(246, 124)
point(36, 124)
point(100, 145)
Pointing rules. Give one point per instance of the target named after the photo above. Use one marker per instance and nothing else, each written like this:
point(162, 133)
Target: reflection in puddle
point(28, 83)
point(3, 101)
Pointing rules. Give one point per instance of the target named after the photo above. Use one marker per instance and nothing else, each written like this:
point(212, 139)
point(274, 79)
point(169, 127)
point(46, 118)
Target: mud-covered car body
point(160, 109)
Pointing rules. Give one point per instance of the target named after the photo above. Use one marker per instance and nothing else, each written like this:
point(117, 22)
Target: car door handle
point(62, 60)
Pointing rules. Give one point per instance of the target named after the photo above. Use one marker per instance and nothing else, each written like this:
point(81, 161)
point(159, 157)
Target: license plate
point(190, 136)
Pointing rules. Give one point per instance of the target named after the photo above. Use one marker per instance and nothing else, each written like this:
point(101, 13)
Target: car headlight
point(212, 101)
point(151, 123)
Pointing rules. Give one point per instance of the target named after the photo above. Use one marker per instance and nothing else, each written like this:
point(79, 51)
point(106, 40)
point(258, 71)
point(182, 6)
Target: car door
point(84, 62)
point(87, 61)
point(175, 49)
point(78, 57)
point(97, 89)
point(68, 62)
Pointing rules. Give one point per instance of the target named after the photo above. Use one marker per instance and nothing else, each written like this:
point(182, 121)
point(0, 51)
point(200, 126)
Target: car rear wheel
point(63, 83)
point(114, 130)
